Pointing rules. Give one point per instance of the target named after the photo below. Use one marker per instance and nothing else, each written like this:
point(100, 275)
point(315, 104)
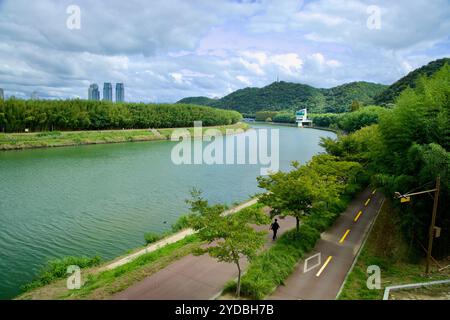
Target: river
point(101, 199)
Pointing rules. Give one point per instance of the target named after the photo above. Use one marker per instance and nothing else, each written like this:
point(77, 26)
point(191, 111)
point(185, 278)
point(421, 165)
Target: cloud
point(170, 49)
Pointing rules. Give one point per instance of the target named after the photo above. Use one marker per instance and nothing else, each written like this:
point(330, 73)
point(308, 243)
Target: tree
point(291, 193)
point(229, 237)
point(355, 106)
point(43, 115)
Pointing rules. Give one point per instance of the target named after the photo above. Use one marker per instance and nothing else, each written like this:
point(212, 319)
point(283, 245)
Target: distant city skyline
point(94, 92)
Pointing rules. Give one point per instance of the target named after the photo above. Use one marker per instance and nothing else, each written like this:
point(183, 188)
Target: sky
point(170, 49)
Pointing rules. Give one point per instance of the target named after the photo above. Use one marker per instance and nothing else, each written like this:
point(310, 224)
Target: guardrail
point(387, 290)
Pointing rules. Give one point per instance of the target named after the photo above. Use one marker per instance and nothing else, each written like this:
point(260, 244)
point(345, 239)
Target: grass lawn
point(14, 141)
point(386, 248)
point(104, 284)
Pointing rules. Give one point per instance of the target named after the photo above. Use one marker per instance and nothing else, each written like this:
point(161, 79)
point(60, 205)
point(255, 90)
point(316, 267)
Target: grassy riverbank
point(99, 282)
point(102, 285)
point(16, 141)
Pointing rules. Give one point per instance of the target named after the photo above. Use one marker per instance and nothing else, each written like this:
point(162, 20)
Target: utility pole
point(433, 221)
point(407, 198)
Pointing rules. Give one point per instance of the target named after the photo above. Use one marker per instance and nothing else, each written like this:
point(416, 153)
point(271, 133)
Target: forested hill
point(391, 93)
point(202, 101)
point(286, 95)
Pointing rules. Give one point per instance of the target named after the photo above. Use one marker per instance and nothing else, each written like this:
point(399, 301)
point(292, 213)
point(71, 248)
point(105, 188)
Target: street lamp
point(431, 234)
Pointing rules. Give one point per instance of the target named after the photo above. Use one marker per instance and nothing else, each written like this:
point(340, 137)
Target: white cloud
point(170, 49)
point(244, 80)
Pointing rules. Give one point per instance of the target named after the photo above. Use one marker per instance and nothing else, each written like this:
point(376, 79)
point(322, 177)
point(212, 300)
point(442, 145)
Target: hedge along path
point(169, 240)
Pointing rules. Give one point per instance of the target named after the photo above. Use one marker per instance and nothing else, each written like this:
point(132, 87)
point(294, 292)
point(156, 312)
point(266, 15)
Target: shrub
point(285, 117)
point(183, 222)
point(263, 115)
point(57, 269)
point(151, 237)
point(324, 119)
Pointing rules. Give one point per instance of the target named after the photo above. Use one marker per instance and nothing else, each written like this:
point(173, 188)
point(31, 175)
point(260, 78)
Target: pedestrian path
point(337, 249)
point(193, 277)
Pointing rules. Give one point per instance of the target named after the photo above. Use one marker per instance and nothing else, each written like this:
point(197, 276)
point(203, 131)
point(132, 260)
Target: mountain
point(339, 99)
point(289, 96)
point(202, 101)
point(393, 91)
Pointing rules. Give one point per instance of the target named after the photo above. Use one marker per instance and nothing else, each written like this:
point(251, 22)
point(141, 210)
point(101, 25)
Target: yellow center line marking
point(374, 190)
point(324, 266)
point(344, 236)
point(367, 202)
point(358, 215)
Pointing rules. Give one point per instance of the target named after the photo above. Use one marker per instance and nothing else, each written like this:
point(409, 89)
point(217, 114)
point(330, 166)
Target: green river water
point(101, 199)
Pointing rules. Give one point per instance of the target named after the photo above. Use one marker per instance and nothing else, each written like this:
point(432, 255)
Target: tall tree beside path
point(317, 184)
point(291, 193)
point(229, 237)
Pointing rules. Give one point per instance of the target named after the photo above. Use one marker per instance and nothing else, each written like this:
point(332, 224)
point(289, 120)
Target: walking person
point(274, 227)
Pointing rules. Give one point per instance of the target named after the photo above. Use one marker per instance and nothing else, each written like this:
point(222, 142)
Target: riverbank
point(50, 139)
point(116, 193)
point(101, 282)
point(294, 125)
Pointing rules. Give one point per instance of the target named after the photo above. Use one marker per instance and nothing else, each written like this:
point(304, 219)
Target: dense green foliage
point(406, 151)
point(362, 117)
point(292, 96)
point(318, 184)
point(151, 237)
point(264, 115)
point(324, 120)
point(348, 121)
point(340, 99)
point(315, 194)
point(410, 80)
point(284, 117)
point(44, 115)
point(57, 269)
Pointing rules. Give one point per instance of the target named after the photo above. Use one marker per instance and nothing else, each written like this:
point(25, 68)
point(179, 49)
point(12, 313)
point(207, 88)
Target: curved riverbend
point(101, 199)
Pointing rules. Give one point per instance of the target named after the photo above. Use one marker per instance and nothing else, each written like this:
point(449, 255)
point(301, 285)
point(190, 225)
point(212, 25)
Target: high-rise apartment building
point(93, 92)
point(2, 94)
point(107, 91)
point(120, 92)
